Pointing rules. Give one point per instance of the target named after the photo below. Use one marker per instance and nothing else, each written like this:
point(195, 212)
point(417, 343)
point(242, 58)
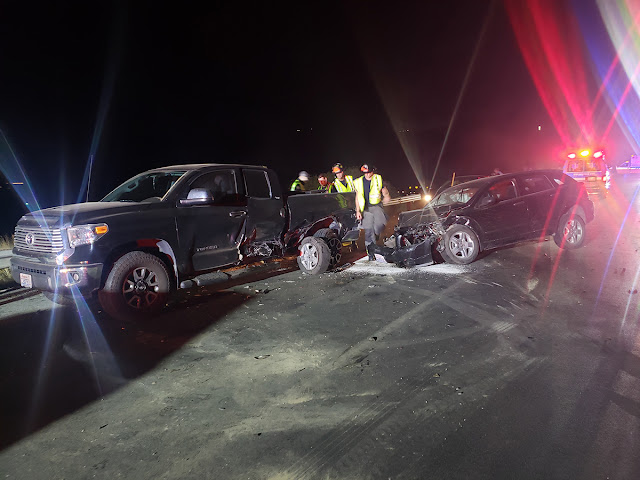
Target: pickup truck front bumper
point(31, 273)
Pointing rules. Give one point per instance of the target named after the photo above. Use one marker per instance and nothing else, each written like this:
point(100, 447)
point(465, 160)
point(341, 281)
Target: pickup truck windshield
point(150, 187)
point(454, 196)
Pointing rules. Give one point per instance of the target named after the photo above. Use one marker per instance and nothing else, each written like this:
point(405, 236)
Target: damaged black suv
point(492, 212)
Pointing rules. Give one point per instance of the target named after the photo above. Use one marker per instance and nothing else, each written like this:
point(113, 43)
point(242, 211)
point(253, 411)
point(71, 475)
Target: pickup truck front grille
point(38, 240)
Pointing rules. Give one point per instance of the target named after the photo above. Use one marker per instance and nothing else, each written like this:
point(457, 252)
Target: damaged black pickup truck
point(492, 212)
point(176, 227)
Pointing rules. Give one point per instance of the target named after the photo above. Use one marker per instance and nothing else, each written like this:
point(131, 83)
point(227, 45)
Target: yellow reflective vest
point(375, 190)
point(338, 186)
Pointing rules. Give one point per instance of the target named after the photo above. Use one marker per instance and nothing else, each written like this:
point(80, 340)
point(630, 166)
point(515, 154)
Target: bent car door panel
point(505, 221)
point(212, 233)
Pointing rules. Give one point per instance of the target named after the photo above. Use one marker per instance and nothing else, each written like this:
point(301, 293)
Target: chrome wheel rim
point(309, 256)
point(461, 245)
point(573, 232)
point(140, 288)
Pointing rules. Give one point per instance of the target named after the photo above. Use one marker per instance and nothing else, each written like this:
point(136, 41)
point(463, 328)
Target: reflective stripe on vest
point(295, 183)
point(340, 187)
point(375, 190)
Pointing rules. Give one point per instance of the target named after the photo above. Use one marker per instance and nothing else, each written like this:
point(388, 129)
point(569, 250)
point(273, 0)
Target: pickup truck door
point(212, 233)
point(266, 215)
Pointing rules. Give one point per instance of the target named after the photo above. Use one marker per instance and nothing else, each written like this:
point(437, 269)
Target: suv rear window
point(535, 184)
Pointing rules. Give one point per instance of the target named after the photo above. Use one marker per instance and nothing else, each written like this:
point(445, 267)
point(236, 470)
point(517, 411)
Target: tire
point(314, 256)
point(571, 232)
point(333, 242)
point(461, 245)
point(137, 287)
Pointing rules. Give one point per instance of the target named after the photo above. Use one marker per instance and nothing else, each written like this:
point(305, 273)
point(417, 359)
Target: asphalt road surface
point(524, 364)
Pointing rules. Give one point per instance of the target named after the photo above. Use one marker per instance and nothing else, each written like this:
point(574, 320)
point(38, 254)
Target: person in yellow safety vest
point(298, 183)
point(342, 183)
point(323, 183)
point(370, 195)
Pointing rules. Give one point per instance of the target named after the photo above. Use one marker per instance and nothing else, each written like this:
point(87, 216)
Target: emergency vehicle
point(589, 168)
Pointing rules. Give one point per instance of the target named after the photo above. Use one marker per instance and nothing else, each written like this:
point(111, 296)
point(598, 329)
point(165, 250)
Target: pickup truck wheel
point(314, 256)
point(333, 242)
point(461, 245)
point(571, 232)
point(138, 286)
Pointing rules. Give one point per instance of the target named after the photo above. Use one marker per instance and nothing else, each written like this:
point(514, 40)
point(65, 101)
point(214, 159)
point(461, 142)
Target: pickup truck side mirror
point(198, 196)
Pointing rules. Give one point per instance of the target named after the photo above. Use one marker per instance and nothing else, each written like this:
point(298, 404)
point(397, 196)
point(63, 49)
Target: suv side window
point(499, 192)
point(257, 183)
point(534, 184)
point(222, 185)
point(504, 190)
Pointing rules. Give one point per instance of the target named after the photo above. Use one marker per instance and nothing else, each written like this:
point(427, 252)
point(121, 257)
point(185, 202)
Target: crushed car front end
point(418, 232)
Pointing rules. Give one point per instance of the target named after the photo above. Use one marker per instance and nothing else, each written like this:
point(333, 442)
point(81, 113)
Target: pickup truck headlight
point(85, 234)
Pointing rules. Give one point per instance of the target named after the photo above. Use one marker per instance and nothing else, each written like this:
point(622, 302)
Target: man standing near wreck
point(370, 195)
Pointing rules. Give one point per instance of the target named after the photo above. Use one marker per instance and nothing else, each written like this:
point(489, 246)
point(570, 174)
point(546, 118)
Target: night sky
point(289, 85)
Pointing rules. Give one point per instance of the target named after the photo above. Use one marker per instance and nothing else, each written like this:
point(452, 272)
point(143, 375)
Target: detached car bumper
point(409, 256)
point(30, 273)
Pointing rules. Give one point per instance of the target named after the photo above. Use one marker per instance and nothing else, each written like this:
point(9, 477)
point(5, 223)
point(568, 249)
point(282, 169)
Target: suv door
point(266, 219)
point(212, 233)
point(502, 214)
point(540, 196)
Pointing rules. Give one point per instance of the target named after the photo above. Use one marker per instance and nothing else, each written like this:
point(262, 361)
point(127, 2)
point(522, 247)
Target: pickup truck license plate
point(25, 280)
point(592, 179)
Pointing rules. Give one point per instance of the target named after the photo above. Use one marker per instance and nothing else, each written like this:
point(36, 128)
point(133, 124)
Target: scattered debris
point(450, 325)
point(260, 357)
point(375, 339)
point(342, 267)
point(436, 375)
point(634, 291)
point(103, 426)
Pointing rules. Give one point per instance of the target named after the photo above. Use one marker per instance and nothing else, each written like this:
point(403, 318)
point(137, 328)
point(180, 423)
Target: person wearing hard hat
point(342, 183)
point(371, 194)
point(323, 181)
point(299, 183)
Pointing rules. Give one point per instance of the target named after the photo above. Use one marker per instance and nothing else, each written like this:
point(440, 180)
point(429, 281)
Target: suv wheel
point(461, 245)
point(571, 231)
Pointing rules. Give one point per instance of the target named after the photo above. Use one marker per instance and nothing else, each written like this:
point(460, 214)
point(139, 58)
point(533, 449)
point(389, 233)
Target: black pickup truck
point(176, 227)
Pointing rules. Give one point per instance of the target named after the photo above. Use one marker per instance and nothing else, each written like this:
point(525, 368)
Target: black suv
point(493, 212)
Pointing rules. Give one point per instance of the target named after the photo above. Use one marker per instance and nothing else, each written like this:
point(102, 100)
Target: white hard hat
point(303, 175)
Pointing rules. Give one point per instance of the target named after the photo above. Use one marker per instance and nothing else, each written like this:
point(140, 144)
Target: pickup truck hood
point(80, 213)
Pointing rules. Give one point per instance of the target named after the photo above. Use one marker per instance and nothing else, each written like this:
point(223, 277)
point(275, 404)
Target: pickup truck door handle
point(237, 213)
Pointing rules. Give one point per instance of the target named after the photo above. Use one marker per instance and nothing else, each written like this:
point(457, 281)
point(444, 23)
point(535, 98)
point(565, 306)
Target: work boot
point(372, 256)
